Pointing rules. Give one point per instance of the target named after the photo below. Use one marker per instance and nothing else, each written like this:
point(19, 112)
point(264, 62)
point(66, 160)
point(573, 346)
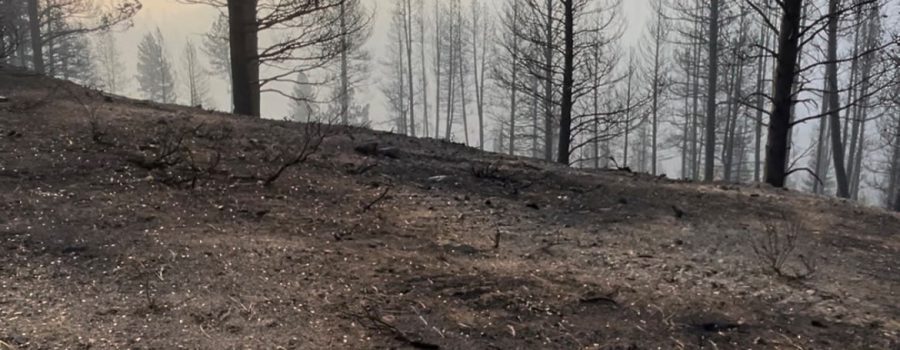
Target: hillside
point(126, 224)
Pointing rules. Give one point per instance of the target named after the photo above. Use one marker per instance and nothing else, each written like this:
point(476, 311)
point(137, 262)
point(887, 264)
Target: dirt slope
point(107, 242)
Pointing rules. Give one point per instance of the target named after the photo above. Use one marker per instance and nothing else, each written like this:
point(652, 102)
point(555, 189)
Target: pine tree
point(154, 69)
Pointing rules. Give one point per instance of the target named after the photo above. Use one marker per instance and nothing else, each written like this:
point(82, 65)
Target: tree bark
point(437, 70)
point(34, 25)
point(709, 167)
point(760, 103)
point(243, 39)
point(565, 118)
point(843, 189)
point(513, 94)
point(780, 120)
point(345, 67)
point(548, 83)
point(427, 131)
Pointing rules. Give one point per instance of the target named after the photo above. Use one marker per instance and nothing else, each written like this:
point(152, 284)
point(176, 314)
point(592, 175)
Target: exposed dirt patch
point(103, 244)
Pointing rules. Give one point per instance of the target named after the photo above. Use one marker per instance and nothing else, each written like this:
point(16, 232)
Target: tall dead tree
point(565, 118)
point(656, 37)
point(408, 38)
point(713, 76)
point(783, 101)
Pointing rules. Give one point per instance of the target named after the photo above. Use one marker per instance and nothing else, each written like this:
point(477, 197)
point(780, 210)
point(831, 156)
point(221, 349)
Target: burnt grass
point(413, 243)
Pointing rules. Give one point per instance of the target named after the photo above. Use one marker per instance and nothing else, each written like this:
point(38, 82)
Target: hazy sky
point(179, 22)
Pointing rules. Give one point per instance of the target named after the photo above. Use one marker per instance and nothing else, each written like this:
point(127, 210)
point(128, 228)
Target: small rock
point(533, 205)
point(4, 99)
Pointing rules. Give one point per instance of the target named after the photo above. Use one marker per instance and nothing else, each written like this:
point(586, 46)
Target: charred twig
point(296, 154)
point(378, 199)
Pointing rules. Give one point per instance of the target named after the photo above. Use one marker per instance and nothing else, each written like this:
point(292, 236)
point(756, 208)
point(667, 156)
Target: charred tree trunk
point(243, 38)
point(565, 119)
point(780, 120)
point(709, 166)
point(407, 29)
point(843, 189)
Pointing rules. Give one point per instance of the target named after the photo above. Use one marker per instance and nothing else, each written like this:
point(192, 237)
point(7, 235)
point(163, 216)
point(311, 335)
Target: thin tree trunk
point(401, 102)
point(452, 66)
point(437, 70)
point(709, 167)
point(565, 119)
point(462, 96)
point(478, 75)
point(407, 21)
point(628, 113)
point(843, 189)
point(760, 102)
point(782, 101)
point(695, 107)
point(427, 131)
point(869, 42)
point(656, 87)
point(548, 83)
point(535, 123)
point(513, 94)
point(345, 66)
point(821, 145)
point(893, 191)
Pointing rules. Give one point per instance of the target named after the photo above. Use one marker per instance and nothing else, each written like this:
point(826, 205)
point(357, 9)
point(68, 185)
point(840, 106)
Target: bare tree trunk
point(401, 98)
point(548, 83)
point(427, 131)
point(821, 145)
point(535, 123)
point(709, 167)
point(870, 41)
point(565, 119)
point(695, 107)
point(437, 70)
point(34, 25)
point(782, 101)
point(462, 95)
point(851, 94)
point(345, 66)
point(843, 189)
point(760, 102)
point(451, 65)
point(892, 200)
point(244, 56)
point(685, 128)
point(407, 28)
point(628, 114)
point(513, 94)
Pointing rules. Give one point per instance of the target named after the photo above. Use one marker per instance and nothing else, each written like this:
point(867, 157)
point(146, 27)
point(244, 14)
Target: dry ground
point(106, 242)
